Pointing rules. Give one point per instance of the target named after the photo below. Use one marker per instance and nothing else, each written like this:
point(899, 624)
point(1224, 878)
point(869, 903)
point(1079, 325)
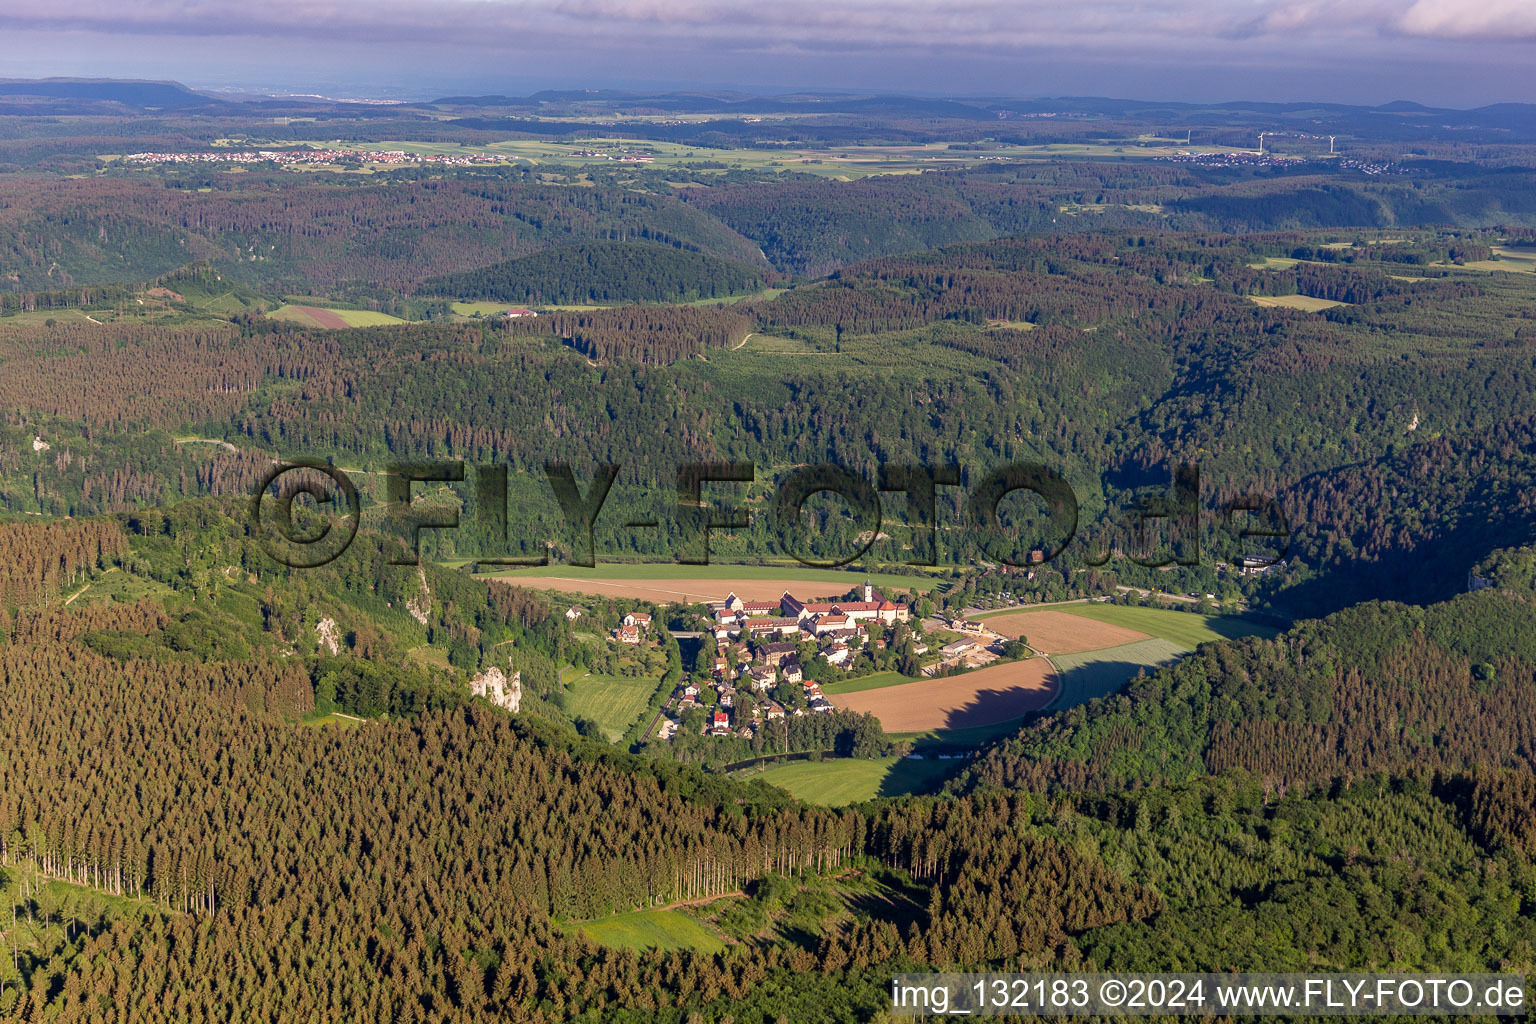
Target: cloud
point(815, 27)
point(1491, 20)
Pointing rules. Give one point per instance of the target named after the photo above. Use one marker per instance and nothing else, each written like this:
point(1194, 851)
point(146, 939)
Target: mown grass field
point(1092, 674)
point(613, 702)
point(840, 781)
point(1187, 629)
point(654, 929)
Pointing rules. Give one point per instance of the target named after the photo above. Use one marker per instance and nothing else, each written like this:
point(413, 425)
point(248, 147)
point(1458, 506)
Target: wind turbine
point(1330, 144)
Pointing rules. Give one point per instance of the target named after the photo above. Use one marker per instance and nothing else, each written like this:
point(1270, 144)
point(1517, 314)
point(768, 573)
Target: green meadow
point(613, 702)
point(654, 929)
point(840, 781)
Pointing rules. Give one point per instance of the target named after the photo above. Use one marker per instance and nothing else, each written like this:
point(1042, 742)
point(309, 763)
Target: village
point(311, 156)
point(765, 661)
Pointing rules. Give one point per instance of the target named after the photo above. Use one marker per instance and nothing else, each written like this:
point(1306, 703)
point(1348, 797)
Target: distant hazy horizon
point(1437, 52)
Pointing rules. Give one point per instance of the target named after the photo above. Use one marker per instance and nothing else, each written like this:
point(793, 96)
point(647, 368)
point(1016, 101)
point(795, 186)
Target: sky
point(1439, 52)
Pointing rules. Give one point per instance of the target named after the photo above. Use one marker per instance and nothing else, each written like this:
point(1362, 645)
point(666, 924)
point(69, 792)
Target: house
point(517, 312)
point(762, 678)
point(640, 620)
point(690, 690)
point(792, 673)
point(779, 653)
point(628, 635)
point(837, 654)
point(572, 614)
point(775, 710)
point(720, 723)
point(959, 647)
point(920, 648)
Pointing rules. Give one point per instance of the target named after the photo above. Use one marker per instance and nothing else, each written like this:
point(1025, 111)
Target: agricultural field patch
point(1305, 303)
point(333, 319)
point(997, 693)
point(1060, 632)
point(663, 583)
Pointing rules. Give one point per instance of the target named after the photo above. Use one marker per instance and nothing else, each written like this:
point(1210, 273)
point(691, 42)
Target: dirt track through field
point(680, 591)
point(1063, 632)
point(997, 693)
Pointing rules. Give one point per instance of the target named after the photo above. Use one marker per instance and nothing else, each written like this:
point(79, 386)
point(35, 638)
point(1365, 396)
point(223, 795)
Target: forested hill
point(314, 236)
point(605, 272)
point(1377, 688)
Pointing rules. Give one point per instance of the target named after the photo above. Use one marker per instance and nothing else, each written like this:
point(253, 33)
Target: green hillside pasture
point(483, 308)
point(613, 702)
point(1099, 673)
point(654, 929)
point(840, 781)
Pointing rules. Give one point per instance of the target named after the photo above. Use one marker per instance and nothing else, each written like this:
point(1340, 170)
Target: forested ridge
point(1378, 688)
point(1110, 356)
point(602, 273)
